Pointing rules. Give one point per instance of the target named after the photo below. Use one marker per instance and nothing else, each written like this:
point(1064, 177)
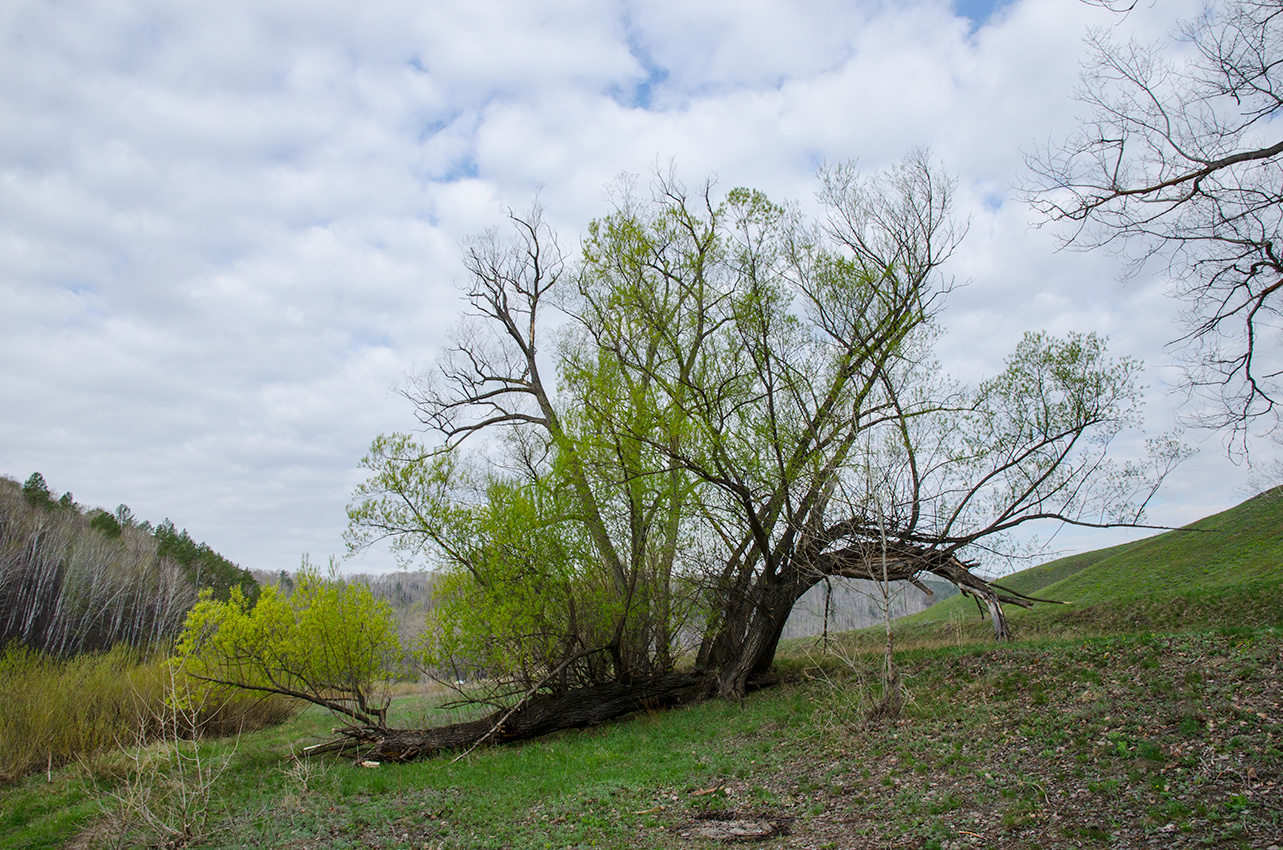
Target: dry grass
point(58, 711)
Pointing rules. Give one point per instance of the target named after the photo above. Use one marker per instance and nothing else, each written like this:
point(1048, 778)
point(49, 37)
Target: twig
point(650, 811)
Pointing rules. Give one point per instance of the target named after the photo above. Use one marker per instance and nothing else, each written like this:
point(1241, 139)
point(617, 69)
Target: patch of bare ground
point(1132, 742)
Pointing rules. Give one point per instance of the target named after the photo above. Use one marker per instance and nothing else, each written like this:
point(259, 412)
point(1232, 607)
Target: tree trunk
point(745, 645)
point(538, 716)
point(733, 662)
point(749, 655)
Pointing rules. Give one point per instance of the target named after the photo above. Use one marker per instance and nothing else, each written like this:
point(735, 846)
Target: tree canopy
point(650, 449)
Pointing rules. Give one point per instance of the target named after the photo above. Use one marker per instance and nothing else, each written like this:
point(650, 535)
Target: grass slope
point(1243, 544)
point(1035, 580)
point(1199, 574)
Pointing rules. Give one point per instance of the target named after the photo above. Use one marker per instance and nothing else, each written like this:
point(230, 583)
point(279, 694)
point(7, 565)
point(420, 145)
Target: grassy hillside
point(1223, 566)
point(1094, 730)
point(1036, 579)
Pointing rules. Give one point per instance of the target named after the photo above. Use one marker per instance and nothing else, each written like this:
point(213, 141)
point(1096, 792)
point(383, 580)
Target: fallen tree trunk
point(542, 714)
point(737, 663)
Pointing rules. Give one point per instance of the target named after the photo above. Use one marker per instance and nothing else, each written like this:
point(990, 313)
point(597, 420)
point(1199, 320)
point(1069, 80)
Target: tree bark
point(541, 715)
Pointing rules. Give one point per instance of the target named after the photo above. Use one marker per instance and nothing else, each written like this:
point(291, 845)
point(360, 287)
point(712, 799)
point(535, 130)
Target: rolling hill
point(1226, 569)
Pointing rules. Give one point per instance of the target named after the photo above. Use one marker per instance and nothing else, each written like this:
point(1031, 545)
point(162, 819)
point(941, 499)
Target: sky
point(229, 230)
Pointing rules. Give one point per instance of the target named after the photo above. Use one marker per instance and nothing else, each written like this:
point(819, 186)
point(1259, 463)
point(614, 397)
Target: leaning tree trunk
point(733, 661)
point(539, 715)
point(744, 647)
point(748, 652)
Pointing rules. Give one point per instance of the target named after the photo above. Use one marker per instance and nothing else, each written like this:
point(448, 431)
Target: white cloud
point(733, 45)
point(226, 230)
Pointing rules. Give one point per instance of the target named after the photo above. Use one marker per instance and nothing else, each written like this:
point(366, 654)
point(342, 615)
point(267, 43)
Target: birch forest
point(78, 580)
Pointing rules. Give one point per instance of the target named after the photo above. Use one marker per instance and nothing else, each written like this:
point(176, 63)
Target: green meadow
point(1145, 711)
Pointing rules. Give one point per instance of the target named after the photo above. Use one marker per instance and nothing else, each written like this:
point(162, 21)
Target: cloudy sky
point(228, 230)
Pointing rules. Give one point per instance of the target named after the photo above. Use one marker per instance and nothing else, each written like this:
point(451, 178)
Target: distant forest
point(843, 604)
point(76, 580)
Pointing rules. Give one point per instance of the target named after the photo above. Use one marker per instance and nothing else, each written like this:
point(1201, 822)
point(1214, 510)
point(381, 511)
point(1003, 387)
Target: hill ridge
point(1229, 552)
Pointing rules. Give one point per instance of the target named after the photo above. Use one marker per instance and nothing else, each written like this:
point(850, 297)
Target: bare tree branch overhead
point(1181, 156)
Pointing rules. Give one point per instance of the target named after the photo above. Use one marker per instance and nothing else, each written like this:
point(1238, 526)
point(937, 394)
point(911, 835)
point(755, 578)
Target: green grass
point(1240, 545)
point(1099, 742)
point(1147, 713)
point(1192, 576)
point(1035, 580)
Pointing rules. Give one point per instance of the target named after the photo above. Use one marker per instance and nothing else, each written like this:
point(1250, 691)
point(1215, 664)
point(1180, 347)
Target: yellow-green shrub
point(329, 643)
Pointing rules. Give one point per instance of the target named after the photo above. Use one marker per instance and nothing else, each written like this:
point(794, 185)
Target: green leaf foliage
point(329, 643)
point(36, 491)
point(106, 523)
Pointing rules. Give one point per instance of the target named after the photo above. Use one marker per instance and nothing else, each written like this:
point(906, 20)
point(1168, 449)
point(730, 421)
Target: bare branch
point(1176, 161)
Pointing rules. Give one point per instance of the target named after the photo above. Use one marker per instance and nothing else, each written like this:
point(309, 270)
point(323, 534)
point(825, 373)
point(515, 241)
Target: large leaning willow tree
point(640, 455)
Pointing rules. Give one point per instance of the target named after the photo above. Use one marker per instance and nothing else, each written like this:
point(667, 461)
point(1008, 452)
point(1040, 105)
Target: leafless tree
point(66, 588)
point(1180, 156)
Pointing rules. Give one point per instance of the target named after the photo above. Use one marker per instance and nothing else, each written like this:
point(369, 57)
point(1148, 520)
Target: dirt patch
point(731, 827)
